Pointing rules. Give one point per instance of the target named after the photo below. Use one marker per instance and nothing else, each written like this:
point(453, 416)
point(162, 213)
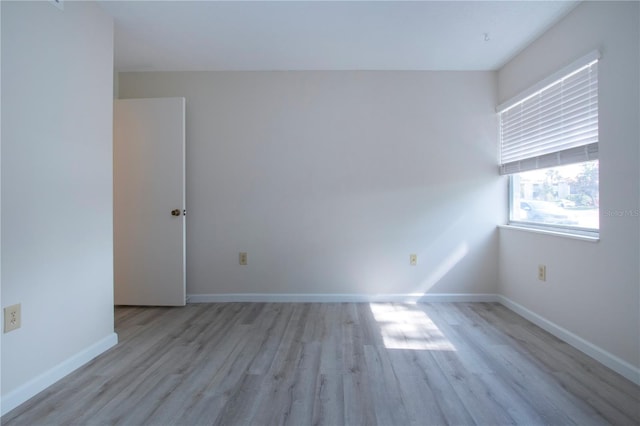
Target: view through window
point(565, 196)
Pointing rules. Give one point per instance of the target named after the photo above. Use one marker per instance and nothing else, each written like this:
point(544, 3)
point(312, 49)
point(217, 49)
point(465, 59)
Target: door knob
point(175, 212)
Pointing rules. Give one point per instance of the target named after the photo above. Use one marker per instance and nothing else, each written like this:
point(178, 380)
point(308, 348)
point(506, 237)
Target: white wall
point(329, 180)
point(592, 289)
point(57, 256)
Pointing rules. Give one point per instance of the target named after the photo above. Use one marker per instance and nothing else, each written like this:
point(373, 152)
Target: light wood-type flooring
point(332, 364)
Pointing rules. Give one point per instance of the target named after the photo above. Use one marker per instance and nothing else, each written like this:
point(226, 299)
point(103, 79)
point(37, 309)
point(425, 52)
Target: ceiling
point(326, 35)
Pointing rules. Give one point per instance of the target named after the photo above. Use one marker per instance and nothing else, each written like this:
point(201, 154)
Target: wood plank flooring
point(333, 364)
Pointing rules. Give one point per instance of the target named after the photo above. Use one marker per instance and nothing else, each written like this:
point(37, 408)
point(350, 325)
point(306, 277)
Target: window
point(549, 149)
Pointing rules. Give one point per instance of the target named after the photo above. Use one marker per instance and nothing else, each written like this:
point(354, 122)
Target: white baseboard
point(46, 379)
point(618, 365)
point(339, 298)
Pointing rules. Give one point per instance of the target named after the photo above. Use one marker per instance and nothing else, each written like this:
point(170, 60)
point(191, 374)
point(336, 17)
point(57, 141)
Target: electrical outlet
point(12, 318)
point(413, 259)
point(542, 272)
point(243, 257)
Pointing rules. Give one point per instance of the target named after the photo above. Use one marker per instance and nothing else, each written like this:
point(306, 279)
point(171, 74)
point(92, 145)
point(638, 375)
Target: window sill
point(588, 238)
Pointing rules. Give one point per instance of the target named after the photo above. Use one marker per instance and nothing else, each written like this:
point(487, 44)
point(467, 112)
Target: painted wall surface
point(592, 289)
point(329, 180)
point(57, 258)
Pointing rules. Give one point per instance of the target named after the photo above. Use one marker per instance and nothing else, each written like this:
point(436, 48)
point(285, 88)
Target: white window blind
point(553, 126)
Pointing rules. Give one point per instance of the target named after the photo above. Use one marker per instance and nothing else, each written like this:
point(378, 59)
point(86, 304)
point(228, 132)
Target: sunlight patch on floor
point(408, 327)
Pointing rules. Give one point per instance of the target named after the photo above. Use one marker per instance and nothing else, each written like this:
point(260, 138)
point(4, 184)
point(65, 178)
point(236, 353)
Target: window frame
point(557, 229)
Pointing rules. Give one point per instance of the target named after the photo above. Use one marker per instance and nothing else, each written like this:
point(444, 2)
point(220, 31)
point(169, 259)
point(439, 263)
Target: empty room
point(320, 212)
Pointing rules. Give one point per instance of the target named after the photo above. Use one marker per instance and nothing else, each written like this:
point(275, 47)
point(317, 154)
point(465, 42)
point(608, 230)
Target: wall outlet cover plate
point(12, 318)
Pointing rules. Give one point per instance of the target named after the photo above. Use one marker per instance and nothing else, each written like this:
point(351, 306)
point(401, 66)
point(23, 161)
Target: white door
point(149, 201)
